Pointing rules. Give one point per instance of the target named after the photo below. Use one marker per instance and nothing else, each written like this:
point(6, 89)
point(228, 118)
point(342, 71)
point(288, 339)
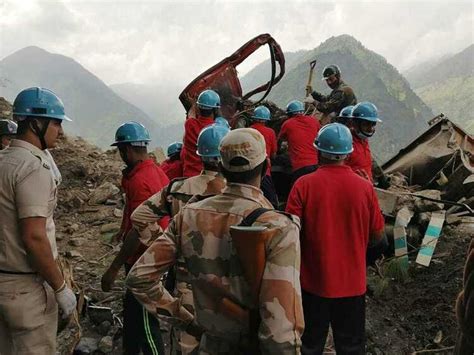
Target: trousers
point(28, 315)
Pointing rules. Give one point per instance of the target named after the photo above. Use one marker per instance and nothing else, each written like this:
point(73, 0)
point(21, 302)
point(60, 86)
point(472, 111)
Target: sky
point(174, 41)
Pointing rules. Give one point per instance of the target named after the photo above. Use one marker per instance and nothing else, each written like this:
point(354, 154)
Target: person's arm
point(332, 102)
point(144, 279)
point(294, 204)
point(33, 234)
point(129, 248)
point(280, 306)
point(377, 222)
point(319, 97)
point(146, 216)
point(34, 205)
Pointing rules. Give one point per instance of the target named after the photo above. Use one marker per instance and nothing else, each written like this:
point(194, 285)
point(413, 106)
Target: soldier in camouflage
point(168, 202)
point(201, 234)
point(341, 95)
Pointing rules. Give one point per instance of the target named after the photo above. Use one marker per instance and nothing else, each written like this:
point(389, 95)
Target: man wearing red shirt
point(173, 167)
point(208, 103)
point(340, 216)
point(364, 118)
point(300, 131)
point(141, 179)
point(261, 114)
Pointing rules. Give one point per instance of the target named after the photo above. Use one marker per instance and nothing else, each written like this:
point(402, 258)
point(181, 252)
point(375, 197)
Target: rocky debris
point(424, 205)
point(109, 227)
point(5, 109)
point(106, 344)
point(87, 346)
point(104, 327)
point(98, 314)
point(104, 192)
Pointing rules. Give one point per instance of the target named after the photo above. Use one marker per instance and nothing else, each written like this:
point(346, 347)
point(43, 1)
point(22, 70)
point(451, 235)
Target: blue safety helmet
point(261, 113)
point(366, 111)
point(222, 121)
point(209, 139)
point(334, 139)
point(294, 106)
point(132, 132)
point(209, 99)
point(346, 112)
point(38, 102)
point(174, 148)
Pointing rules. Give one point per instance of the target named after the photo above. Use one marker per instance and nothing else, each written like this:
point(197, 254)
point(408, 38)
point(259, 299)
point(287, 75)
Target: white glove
point(67, 301)
point(309, 99)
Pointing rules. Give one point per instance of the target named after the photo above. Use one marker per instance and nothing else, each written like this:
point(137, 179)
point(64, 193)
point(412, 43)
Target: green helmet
point(331, 70)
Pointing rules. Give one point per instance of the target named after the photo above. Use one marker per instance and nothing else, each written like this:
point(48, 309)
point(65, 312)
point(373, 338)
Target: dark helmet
point(8, 127)
point(331, 70)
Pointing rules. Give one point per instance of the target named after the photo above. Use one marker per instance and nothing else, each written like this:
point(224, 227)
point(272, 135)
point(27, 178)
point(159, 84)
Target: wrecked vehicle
point(223, 78)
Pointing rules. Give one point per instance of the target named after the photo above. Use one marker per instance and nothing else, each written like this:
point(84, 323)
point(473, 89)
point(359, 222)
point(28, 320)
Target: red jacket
point(172, 168)
point(192, 164)
point(270, 141)
point(338, 211)
point(361, 157)
point(300, 132)
point(140, 183)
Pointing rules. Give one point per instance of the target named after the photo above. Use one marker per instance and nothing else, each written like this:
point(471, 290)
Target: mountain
point(96, 110)
point(373, 79)
point(448, 87)
point(417, 72)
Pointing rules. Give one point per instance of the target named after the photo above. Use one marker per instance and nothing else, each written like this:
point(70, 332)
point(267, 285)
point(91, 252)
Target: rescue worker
point(208, 103)
point(344, 117)
point(201, 234)
point(31, 283)
point(340, 218)
point(341, 95)
point(261, 115)
point(8, 130)
point(364, 119)
point(300, 132)
point(141, 179)
point(173, 166)
point(168, 202)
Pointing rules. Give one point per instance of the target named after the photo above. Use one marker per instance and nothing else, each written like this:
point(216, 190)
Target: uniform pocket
point(51, 306)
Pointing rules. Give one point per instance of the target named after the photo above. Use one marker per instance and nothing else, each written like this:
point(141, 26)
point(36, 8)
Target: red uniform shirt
point(338, 211)
point(172, 168)
point(300, 131)
point(361, 157)
point(270, 141)
point(192, 164)
point(144, 180)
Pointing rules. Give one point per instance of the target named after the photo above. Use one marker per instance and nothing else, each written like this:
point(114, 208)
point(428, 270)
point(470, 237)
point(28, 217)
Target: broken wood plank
point(430, 240)
point(400, 235)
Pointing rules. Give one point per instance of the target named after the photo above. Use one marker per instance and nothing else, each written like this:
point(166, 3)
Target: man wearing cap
point(8, 130)
point(341, 95)
point(141, 179)
point(300, 130)
point(168, 202)
point(334, 241)
point(31, 283)
point(208, 102)
point(173, 166)
point(201, 234)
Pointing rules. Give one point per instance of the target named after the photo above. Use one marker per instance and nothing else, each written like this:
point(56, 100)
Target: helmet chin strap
point(40, 132)
point(363, 135)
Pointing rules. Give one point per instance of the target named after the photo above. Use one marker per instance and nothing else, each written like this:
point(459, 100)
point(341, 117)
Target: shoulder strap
point(168, 192)
point(253, 216)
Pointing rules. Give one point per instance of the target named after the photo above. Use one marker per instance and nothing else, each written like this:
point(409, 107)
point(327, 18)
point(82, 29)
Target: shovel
point(312, 64)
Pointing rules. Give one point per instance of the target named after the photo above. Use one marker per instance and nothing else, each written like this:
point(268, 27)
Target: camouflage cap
point(247, 144)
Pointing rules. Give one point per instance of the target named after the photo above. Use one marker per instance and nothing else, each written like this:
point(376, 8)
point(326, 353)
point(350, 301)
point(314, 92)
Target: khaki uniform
point(201, 234)
point(28, 309)
point(169, 201)
point(332, 104)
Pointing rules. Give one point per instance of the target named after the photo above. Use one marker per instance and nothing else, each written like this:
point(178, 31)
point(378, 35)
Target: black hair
point(243, 177)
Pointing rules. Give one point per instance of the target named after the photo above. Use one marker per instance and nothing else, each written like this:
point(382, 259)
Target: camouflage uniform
point(339, 98)
point(200, 234)
point(169, 201)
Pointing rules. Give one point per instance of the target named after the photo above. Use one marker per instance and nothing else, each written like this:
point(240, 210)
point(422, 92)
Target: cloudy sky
point(148, 41)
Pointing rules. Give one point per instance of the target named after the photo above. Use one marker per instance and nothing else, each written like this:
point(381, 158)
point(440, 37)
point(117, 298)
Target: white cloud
point(170, 41)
